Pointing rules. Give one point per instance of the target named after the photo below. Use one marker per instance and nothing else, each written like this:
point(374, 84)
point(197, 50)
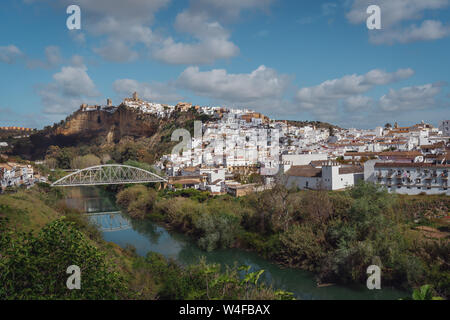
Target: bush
point(137, 200)
point(35, 267)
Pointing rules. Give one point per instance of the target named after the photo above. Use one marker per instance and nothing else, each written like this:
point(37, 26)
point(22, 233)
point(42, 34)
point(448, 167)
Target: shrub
point(35, 267)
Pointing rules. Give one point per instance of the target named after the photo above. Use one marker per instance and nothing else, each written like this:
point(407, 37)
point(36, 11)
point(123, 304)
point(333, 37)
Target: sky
point(296, 60)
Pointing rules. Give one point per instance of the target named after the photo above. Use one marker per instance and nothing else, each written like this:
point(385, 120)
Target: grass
point(25, 211)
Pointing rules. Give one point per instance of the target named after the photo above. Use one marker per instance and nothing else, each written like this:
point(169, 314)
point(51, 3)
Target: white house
point(329, 176)
point(289, 160)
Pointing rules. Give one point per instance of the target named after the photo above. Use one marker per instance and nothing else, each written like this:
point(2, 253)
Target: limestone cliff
point(115, 125)
point(105, 128)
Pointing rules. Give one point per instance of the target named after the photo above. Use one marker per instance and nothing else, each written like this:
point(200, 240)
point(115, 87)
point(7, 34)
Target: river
point(147, 236)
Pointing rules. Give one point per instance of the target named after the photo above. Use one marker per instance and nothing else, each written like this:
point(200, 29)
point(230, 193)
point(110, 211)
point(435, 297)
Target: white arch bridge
point(106, 175)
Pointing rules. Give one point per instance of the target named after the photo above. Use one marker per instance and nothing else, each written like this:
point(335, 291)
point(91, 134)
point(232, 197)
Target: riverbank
point(39, 236)
point(334, 235)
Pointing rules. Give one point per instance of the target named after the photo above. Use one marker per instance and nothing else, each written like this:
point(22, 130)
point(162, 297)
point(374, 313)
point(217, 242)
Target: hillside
point(106, 129)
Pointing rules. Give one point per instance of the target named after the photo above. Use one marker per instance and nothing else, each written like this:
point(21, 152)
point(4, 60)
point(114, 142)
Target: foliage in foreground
point(336, 235)
point(33, 264)
point(34, 267)
point(203, 281)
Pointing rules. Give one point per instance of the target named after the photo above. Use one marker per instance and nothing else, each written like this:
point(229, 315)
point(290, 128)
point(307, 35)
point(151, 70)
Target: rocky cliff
point(122, 122)
point(106, 127)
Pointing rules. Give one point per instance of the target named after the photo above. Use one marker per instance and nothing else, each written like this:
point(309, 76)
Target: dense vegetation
point(41, 237)
point(336, 235)
point(34, 267)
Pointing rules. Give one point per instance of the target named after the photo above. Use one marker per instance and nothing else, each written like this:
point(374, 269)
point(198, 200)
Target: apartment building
point(409, 178)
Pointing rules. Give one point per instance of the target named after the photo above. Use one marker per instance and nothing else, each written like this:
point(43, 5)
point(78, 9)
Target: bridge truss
point(107, 175)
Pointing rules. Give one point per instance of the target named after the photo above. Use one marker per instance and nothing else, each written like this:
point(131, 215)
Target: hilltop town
point(238, 151)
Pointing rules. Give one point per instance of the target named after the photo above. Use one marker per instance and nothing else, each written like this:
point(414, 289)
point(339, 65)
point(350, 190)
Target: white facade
point(409, 178)
point(289, 160)
point(331, 176)
point(445, 128)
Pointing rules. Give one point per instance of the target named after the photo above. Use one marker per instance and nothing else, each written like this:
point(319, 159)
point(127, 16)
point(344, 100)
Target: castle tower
point(135, 96)
point(109, 102)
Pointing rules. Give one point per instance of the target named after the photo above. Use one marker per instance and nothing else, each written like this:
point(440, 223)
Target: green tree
point(34, 267)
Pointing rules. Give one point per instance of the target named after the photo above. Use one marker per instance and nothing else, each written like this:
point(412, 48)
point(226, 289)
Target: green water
point(147, 236)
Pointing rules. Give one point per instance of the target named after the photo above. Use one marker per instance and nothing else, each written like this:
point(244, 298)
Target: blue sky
point(301, 60)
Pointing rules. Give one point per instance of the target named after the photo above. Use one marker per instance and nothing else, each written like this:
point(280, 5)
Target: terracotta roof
point(216, 181)
point(185, 181)
point(318, 163)
point(5, 166)
point(190, 169)
point(304, 171)
point(353, 169)
point(409, 165)
point(401, 153)
point(360, 154)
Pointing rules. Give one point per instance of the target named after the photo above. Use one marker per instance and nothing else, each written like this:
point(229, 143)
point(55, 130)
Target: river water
point(147, 236)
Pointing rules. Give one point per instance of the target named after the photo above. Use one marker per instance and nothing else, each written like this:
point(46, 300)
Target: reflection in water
point(146, 236)
point(110, 221)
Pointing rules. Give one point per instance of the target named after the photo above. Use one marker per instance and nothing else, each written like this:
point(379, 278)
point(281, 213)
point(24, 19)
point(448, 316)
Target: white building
point(329, 176)
point(409, 178)
point(289, 160)
point(445, 128)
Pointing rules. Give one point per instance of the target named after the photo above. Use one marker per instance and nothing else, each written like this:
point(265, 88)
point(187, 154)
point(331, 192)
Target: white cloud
point(227, 10)
point(70, 87)
point(78, 36)
point(116, 51)
point(394, 11)
point(427, 31)
point(203, 52)
point(328, 8)
point(331, 92)
point(156, 92)
point(358, 103)
point(204, 20)
point(395, 14)
point(120, 25)
point(250, 88)
point(411, 98)
point(9, 54)
point(212, 41)
point(52, 59)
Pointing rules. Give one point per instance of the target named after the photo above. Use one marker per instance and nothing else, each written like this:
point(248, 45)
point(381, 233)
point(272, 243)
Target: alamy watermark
point(73, 22)
point(374, 280)
point(374, 20)
point(74, 281)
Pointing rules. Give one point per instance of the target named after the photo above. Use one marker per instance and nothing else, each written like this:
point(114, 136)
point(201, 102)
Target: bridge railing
point(108, 174)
